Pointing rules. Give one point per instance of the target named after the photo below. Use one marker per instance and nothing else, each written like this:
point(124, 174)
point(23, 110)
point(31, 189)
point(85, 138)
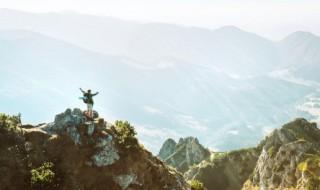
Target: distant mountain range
point(228, 86)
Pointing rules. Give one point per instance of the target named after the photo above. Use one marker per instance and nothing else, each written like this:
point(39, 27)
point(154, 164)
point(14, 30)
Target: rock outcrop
point(290, 159)
point(184, 154)
point(72, 153)
point(221, 171)
point(168, 148)
point(225, 171)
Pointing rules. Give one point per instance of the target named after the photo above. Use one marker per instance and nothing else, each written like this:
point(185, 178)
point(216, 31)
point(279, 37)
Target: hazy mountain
point(41, 73)
point(170, 81)
point(153, 43)
point(301, 53)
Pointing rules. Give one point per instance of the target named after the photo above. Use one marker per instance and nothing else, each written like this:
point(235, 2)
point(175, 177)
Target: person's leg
point(90, 110)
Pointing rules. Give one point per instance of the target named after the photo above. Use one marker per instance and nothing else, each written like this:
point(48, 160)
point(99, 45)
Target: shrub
point(271, 151)
point(125, 134)
point(219, 156)
point(42, 176)
point(8, 122)
point(196, 185)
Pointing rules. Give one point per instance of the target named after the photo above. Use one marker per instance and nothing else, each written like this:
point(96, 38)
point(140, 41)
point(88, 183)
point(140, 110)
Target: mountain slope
point(289, 158)
point(300, 52)
point(71, 153)
point(227, 171)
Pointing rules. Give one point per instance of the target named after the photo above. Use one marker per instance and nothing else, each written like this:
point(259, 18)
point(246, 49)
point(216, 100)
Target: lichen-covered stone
point(108, 153)
point(125, 180)
point(90, 128)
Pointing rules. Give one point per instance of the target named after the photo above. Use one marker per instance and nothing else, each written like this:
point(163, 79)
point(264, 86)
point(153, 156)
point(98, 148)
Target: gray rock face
point(74, 134)
point(184, 154)
point(125, 180)
point(69, 123)
point(108, 153)
point(167, 149)
point(91, 127)
point(67, 119)
point(280, 171)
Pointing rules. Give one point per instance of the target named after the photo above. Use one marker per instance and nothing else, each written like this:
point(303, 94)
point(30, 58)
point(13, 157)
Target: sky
point(273, 19)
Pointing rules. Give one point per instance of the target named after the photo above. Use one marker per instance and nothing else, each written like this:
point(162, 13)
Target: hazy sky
point(270, 18)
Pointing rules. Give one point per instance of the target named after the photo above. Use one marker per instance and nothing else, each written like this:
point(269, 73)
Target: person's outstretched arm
point(82, 90)
point(95, 93)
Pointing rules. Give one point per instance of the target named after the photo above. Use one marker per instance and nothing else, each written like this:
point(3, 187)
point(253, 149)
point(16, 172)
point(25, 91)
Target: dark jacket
point(88, 97)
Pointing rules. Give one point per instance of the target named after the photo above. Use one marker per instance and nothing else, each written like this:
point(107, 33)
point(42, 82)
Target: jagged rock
point(167, 148)
point(108, 153)
point(282, 153)
point(67, 119)
point(125, 180)
point(74, 134)
point(289, 158)
point(91, 127)
point(187, 152)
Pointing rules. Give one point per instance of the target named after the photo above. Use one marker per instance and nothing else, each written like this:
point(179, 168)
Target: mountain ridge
point(74, 153)
point(287, 158)
point(67, 12)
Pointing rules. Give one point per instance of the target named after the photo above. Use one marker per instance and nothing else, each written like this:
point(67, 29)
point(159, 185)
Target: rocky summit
point(290, 159)
point(72, 153)
point(184, 154)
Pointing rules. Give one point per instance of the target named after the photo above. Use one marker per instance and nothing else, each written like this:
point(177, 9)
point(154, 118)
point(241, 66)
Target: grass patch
point(196, 185)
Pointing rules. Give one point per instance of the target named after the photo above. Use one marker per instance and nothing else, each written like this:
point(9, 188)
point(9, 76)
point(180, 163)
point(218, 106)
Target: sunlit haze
point(270, 18)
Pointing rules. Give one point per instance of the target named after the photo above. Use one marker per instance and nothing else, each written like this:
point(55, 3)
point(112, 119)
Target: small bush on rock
point(196, 185)
point(125, 134)
point(9, 123)
point(42, 176)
